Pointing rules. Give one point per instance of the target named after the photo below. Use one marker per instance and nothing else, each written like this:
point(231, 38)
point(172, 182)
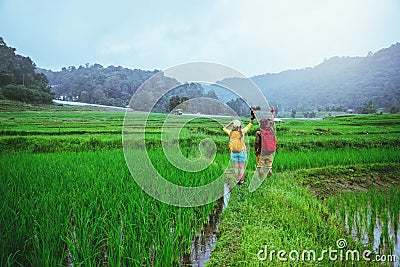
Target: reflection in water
point(204, 243)
point(377, 237)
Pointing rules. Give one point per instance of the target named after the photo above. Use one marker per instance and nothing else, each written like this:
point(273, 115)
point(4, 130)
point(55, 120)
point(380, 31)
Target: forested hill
point(115, 86)
point(18, 79)
point(338, 83)
point(95, 84)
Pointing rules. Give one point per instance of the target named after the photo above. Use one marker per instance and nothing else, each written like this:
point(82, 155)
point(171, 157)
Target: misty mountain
point(338, 83)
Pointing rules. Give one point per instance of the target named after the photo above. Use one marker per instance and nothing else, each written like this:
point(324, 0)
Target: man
point(237, 146)
point(265, 145)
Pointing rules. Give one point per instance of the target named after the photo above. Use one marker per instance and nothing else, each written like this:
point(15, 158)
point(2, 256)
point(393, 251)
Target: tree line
point(18, 79)
point(96, 84)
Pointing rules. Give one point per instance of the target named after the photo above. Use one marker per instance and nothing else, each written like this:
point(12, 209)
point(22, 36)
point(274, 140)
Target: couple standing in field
point(264, 145)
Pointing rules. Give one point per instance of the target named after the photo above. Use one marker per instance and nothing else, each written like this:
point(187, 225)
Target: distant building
point(178, 111)
point(350, 111)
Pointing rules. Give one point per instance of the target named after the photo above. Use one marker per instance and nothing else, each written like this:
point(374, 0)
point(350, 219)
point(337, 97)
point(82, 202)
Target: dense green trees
point(182, 93)
point(368, 108)
point(18, 79)
point(239, 106)
point(175, 101)
point(95, 84)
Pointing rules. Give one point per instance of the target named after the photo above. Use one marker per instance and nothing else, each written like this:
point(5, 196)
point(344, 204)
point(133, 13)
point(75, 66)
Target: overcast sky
point(253, 37)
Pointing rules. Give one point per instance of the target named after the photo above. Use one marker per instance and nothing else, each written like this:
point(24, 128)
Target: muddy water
point(204, 243)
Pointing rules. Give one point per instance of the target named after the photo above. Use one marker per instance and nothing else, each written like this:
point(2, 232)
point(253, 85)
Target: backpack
point(236, 141)
point(268, 141)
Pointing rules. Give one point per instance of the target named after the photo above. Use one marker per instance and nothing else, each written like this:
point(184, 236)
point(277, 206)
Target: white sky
point(253, 37)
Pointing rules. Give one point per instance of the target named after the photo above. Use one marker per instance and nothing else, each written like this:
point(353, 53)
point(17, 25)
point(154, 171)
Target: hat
point(237, 123)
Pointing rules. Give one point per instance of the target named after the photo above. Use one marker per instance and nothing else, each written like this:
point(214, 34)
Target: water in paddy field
point(376, 238)
point(204, 243)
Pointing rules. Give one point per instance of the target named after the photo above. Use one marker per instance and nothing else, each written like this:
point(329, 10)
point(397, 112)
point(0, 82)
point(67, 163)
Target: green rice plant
point(332, 204)
point(321, 158)
point(371, 226)
point(367, 208)
point(86, 209)
point(343, 213)
point(394, 207)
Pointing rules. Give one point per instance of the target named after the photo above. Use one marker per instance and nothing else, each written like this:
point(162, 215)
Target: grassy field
point(69, 198)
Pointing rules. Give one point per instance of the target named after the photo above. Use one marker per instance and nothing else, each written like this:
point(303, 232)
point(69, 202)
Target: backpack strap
point(257, 142)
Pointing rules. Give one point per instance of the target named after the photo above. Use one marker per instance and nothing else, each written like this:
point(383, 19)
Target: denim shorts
point(239, 156)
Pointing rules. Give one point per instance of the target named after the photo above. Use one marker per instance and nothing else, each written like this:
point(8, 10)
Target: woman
point(238, 147)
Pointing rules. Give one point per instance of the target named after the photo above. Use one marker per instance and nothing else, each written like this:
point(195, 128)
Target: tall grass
point(85, 209)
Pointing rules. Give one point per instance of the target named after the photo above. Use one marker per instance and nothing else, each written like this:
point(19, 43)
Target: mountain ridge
point(338, 83)
point(346, 81)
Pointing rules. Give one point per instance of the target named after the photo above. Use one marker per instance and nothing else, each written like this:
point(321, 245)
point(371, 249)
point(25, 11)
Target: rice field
point(372, 218)
point(70, 200)
point(85, 209)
